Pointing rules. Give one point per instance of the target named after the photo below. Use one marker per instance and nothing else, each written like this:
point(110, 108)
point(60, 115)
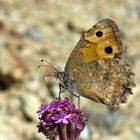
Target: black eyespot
point(108, 50)
point(99, 33)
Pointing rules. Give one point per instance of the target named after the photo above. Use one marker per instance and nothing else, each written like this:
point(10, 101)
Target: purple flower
point(61, 119)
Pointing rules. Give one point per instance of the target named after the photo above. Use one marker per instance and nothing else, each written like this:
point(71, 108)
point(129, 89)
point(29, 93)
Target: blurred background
point(31, 30)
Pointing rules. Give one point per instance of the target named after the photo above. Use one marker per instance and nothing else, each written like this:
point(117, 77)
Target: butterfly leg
point(45, 80)
point(79, 102)
point(61, 90)
point(77, 96)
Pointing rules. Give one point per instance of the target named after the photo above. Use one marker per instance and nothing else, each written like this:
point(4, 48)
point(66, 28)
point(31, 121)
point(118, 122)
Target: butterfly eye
point(108, 50)
point(99, 33)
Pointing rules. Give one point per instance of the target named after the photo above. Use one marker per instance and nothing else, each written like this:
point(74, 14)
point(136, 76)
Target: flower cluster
point(61, 119)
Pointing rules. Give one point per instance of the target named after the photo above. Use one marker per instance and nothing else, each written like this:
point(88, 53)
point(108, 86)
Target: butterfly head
point(60, 76)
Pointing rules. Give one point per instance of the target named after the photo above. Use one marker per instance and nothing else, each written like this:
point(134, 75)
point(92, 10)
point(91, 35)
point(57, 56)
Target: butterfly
point(97, 69)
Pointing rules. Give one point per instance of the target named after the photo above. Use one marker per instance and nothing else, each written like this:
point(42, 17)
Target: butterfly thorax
point(64, 80)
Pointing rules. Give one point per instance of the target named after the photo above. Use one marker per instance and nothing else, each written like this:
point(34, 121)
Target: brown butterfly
point(97, 69)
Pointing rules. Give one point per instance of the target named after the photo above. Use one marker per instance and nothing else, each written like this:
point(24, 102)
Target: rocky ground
point(32, 30)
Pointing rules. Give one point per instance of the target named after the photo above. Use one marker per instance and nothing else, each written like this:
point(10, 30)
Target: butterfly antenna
point(48, 64)
point(38, 67)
